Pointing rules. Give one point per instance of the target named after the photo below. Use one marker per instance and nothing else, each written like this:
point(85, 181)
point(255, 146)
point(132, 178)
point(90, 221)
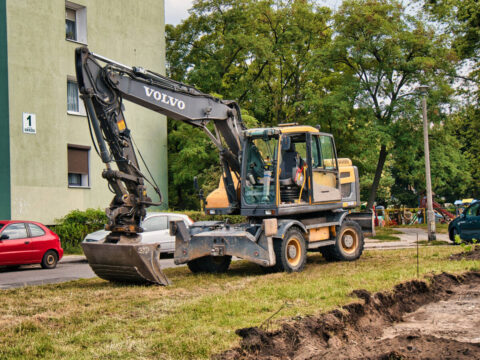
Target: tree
point(388, 53)
point(259, 53)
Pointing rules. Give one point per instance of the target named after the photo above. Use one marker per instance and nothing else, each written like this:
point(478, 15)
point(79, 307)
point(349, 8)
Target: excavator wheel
point(210, 264)
point(290, 252)
point(348, 246)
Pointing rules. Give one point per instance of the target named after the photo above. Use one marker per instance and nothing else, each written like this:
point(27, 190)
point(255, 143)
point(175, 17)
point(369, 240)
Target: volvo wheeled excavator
point(296, 194)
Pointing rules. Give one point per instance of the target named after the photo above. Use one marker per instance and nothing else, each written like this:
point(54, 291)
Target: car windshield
point(261, 167)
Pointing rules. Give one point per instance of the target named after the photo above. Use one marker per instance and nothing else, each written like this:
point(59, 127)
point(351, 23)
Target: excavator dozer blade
point(126, 263)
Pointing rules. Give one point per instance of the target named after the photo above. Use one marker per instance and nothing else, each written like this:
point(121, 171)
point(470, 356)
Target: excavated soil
point(469, 255)
point(416, 320)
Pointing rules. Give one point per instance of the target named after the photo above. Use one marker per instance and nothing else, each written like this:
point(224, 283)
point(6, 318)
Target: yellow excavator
point(296, 194)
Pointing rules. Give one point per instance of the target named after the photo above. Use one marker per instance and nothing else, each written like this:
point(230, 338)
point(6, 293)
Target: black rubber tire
point(341, 251)
point(49, 260)
point(452, 234)
point(210, 264)
point(328, 252)
point(286, 261)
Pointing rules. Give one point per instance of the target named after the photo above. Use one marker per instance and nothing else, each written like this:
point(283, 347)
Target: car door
point(16, 249)
point(325, 180)
point(40, 241)
point(155, 230)
point(469, 226)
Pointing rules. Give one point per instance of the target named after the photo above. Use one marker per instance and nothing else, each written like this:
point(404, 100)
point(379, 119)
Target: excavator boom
point(103, 84)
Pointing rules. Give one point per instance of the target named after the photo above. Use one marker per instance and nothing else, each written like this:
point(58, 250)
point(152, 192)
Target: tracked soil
point(417, 320)
point(467, 255)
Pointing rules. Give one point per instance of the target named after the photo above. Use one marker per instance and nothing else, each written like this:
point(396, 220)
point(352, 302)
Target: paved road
point(70, 268)
point(407, 239)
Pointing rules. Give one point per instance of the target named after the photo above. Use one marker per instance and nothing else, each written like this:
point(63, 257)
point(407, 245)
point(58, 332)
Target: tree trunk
point(378, 174)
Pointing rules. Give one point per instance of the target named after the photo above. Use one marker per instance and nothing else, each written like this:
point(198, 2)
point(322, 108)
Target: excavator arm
point(104, 84)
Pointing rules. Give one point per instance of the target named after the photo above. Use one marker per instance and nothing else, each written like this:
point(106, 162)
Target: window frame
point(85, 178)
point(80, 22)
point(81, 106)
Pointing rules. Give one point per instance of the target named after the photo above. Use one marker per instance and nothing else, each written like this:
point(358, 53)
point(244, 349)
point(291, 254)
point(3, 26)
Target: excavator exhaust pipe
point(133, 263)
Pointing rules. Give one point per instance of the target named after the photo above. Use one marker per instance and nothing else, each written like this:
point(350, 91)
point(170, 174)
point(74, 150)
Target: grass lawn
point(197, 316)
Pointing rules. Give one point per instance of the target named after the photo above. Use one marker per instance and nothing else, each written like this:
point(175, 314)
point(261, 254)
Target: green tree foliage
point(463, 19)
point(256, 52)
point(353, 72)
point(388, 53)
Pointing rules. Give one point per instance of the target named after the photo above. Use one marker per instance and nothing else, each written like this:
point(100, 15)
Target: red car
point(28, 242)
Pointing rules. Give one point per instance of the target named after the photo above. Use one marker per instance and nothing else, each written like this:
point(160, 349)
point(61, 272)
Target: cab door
point(324, 169)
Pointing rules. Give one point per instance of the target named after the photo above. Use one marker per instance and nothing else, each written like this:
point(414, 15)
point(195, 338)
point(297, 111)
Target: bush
point(74, 226)
point(201, 216)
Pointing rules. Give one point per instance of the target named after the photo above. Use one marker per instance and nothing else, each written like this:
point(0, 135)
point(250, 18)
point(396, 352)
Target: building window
point(78, 174)
point(75, 22)
point(74, 104)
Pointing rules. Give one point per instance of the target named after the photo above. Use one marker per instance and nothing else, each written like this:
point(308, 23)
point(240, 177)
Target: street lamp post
point(430, 214)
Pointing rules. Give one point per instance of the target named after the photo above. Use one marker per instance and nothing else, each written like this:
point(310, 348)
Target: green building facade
point(49, 165)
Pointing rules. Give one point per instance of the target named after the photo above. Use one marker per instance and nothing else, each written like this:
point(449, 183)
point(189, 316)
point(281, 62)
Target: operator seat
point(289, 161)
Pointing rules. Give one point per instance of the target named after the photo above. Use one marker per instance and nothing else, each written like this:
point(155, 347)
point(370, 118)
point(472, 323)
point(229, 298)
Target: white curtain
point(72, 96)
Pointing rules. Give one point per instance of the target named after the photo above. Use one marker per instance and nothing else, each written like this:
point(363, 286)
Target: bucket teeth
point(126, 263)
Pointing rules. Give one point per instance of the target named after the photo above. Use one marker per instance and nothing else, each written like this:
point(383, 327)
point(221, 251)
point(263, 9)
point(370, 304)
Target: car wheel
point(210, 264)
point(290, 252)
point(49, 260)
point(453, 233)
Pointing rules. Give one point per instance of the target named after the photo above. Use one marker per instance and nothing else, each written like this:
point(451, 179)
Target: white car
point(155, 230)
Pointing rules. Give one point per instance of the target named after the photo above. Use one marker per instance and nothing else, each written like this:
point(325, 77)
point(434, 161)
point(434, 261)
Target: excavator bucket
point(126, 263)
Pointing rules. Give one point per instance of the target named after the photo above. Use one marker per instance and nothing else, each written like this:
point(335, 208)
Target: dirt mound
point(356, 331)
point(468, 255)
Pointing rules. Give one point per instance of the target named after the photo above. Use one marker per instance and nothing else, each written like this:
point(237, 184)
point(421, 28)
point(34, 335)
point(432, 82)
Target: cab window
point(328, 153)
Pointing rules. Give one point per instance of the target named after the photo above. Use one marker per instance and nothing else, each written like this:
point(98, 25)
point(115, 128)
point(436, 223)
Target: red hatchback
point(28, 242)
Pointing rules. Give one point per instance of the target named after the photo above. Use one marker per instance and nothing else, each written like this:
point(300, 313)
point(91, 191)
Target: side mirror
point(4, 237)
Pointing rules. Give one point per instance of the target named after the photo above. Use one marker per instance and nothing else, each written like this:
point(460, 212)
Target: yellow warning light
point(121, 125)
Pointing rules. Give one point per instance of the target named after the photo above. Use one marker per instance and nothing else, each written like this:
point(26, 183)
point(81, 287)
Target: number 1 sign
point(29, 123)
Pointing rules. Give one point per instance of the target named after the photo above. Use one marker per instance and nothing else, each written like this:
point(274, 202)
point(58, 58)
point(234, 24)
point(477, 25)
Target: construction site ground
point(199, 315)
point(435, 319)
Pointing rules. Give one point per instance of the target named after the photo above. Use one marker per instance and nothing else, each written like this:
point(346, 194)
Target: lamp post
point(430, 214)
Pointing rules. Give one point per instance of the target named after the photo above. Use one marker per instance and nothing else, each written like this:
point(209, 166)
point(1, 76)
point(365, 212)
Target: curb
point(73, 259)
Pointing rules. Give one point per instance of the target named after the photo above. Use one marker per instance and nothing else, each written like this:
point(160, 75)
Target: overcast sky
point(177, 10)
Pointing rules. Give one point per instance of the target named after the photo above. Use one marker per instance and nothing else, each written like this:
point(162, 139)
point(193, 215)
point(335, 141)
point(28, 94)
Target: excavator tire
point(349, 243)
point(210, 264)
point(290, 252)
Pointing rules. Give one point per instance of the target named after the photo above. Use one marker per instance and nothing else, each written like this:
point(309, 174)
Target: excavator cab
point(294, 169)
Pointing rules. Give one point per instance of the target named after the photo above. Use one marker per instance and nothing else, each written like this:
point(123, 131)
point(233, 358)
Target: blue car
point(467, 225)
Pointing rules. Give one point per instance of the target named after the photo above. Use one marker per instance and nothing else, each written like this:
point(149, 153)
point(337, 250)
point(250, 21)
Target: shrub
point(201, 216)
point(74, 226)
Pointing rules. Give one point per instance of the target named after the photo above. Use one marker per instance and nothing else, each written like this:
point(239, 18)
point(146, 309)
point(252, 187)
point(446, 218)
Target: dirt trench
point(438, 320)
point(469, 255)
